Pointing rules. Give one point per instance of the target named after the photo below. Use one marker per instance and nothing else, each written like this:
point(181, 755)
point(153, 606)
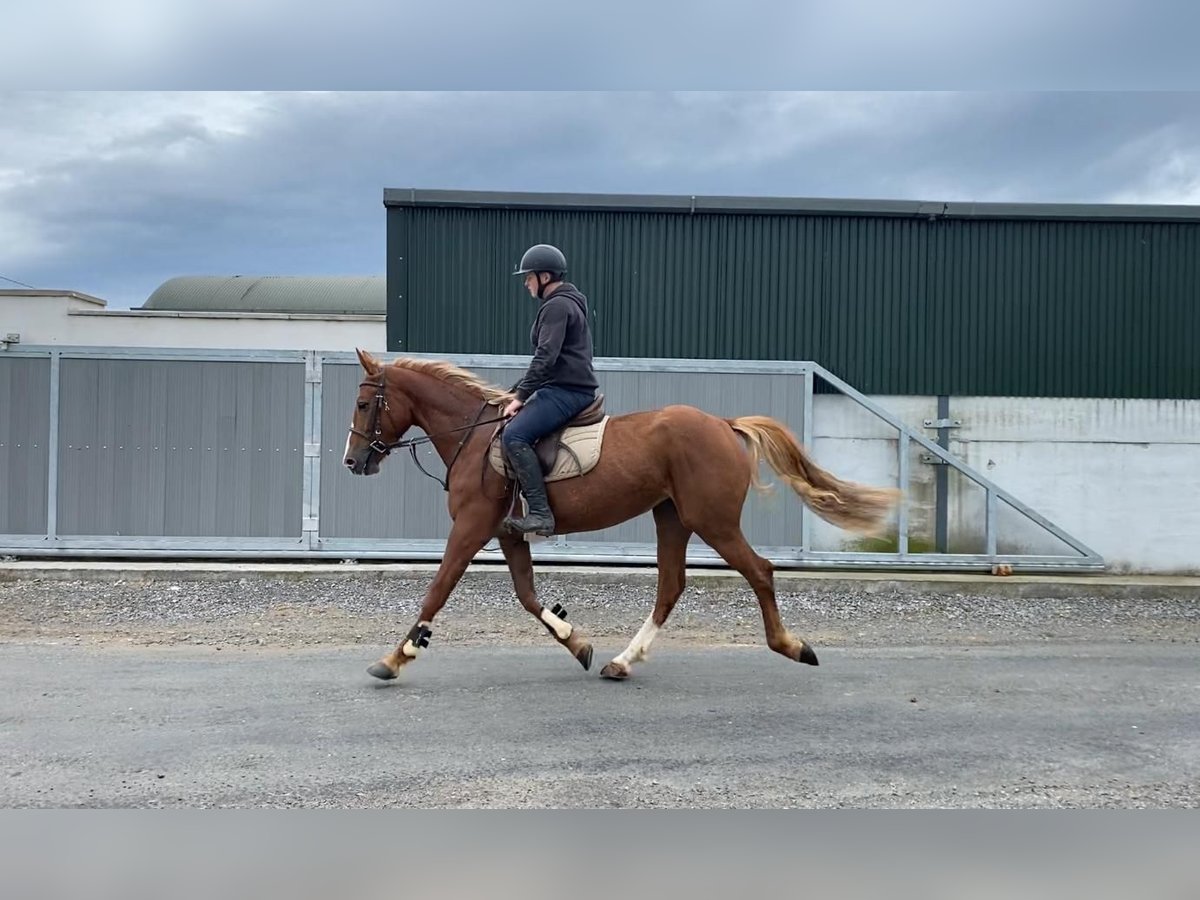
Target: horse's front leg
point(467, 537)
point(520, 565)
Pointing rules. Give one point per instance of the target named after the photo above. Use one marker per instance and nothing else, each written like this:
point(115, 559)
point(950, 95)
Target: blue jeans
point(549, 409)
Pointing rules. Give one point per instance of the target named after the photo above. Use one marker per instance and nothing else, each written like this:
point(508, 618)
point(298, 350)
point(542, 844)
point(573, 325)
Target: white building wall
point(69, 319)
point(1123, 476)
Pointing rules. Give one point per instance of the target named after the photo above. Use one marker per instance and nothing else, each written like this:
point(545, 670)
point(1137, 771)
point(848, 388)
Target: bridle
point(377, 445)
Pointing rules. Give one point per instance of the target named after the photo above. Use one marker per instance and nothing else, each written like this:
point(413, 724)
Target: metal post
point(52, 449)
point(902, 512)
point(806, 440)
point(989, 528)
point(311, 526)
point(942, 481)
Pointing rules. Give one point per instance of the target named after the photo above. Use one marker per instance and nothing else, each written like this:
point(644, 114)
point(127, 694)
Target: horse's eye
point(362, 404)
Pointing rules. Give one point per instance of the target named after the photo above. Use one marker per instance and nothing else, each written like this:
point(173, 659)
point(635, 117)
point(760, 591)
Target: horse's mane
point(453, 374)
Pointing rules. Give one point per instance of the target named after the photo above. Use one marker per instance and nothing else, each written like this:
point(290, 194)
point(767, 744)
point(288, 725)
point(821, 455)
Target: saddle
point(547, 448)
point(571, 450)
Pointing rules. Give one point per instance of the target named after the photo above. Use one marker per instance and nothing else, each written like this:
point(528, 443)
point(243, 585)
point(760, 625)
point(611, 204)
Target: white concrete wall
point(1123, 476)
point(76, 320)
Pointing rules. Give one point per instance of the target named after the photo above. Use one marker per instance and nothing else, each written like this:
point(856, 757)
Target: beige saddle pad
point(577, 455)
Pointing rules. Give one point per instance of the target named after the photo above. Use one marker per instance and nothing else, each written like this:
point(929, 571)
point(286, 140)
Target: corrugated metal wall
point(24, 444)
point(892, 304)
point(180, 448)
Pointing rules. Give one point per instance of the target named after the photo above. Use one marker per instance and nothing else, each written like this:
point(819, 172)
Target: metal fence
point(135, 452)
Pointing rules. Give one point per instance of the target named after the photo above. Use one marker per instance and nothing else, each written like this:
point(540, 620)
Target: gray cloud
point(621, 44)
point(113, 193)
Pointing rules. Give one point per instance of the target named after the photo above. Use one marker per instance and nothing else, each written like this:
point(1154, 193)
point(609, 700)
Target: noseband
point(377, 411)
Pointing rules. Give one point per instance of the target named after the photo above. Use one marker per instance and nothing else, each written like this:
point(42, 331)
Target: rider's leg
point(546, 411)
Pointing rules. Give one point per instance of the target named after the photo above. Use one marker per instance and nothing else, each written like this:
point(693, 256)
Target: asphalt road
point(1052, 724)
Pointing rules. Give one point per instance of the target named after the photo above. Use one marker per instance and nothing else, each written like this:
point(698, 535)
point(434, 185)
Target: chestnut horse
point(691, 469)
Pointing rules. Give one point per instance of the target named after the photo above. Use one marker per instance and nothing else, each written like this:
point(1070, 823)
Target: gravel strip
point(288, 609)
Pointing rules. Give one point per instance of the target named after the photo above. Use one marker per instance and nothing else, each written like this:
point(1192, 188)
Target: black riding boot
point(529, 473)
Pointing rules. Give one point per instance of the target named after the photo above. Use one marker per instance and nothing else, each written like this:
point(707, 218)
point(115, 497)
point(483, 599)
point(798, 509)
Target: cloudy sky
point(112, 193)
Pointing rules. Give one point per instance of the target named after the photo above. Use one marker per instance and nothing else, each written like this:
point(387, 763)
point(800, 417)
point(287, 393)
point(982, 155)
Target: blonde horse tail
point(846, 504)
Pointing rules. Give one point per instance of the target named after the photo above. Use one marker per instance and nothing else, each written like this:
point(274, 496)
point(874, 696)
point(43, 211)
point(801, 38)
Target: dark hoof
point(807, 656)
point(614, 672)
point(379, 670)
point(585, 657)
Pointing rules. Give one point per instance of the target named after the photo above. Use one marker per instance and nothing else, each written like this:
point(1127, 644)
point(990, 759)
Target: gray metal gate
point(135, 452)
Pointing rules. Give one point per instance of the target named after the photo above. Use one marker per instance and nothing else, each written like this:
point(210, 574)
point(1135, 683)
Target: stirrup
point(543, 526)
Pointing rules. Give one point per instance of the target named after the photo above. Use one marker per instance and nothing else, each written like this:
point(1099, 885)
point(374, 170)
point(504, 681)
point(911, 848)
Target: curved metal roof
point(324, 295)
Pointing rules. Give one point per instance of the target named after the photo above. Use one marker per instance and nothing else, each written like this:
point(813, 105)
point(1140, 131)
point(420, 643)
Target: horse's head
point(381, 416)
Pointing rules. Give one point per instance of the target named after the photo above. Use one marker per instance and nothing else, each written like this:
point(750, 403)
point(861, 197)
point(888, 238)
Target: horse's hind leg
point(520, 566)
point(673, 538)
point(759, 572)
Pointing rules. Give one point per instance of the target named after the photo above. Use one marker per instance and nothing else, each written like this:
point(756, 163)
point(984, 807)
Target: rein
point(411, 444)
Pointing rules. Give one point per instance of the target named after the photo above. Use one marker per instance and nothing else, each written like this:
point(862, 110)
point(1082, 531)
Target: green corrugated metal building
point(896, 297)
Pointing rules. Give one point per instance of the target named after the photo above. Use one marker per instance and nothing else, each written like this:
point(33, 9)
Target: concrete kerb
point(711, 579)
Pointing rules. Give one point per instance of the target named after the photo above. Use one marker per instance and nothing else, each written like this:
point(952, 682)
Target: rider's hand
point(513, 408)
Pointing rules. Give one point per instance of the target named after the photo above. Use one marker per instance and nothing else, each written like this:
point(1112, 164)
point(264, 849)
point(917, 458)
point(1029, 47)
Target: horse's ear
point(369, 363)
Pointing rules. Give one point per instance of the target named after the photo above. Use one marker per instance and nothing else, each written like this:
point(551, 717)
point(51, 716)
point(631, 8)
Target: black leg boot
point(529, 473)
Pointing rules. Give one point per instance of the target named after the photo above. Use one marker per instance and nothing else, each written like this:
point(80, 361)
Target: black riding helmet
point(543, 258)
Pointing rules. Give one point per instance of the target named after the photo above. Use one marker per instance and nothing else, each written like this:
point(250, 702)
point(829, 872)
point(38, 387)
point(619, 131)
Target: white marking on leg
point(640, 645)
point(560, 628)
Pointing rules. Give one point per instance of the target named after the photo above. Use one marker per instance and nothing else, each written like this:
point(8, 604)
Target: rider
point(559, 384)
